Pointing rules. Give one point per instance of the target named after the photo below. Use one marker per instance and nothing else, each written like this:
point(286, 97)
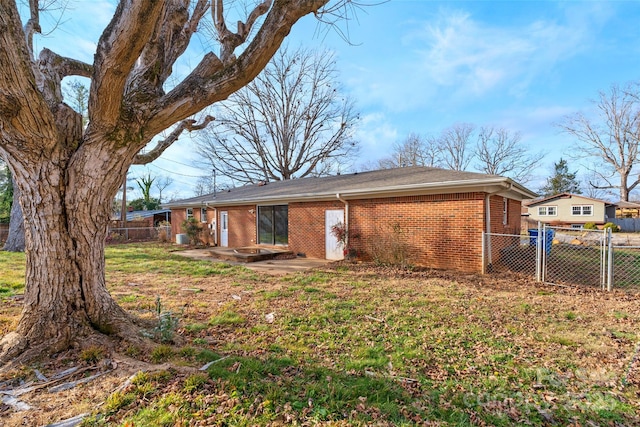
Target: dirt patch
point(285, 263)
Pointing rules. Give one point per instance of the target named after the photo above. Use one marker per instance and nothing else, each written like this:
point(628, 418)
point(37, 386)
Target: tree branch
point(118, 50)
point(26, 120)
point(161, 146)
point(230, 41)
point(32, 26)
point(169, 42)
point(210, 83)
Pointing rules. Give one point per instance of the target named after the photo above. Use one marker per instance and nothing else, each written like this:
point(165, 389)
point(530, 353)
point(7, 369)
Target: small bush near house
point(590, 226)
point(614, 228)
point(193, 230)
point(163, 231)
point(390, 247)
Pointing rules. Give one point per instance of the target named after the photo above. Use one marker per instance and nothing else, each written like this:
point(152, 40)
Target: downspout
point(215, 226)
point(487, 204)
point(346, 220)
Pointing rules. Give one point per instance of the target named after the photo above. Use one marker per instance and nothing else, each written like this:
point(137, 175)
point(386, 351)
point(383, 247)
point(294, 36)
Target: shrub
point(340, 232)
point(590, 226)
point(164, 232)
point(614, 228)
point(390, 247)
point(192, 229)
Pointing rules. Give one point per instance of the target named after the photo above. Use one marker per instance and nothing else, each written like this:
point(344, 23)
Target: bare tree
point(204, 185)
point(454, 144)
point(161, 183)
point(609, 143)
point(499, 151)
point(590, 187)
point(290, 122)
point(68, 174)
point(415, 150)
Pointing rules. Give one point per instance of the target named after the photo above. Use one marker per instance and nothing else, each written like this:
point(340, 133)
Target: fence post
point(610, 260)
point(539, 277)
point(484, 265)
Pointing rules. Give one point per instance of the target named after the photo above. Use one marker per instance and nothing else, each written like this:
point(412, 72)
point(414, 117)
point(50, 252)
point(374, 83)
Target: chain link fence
point(509, 252)
point(626, 267)
point(139, 234)
point(565, 256)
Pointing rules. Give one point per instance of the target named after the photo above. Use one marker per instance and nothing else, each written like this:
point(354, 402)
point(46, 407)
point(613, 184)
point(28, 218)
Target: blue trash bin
point(533, 239)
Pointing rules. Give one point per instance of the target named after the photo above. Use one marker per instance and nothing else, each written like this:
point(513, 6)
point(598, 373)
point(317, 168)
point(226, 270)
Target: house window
point(547, 210)
point(203, 214)
point(505, 208)
point(583, 210)
point(273, 225)
point(189, 213)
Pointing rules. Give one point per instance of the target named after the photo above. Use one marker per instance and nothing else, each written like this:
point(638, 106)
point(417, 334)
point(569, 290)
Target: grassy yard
point(346, 345)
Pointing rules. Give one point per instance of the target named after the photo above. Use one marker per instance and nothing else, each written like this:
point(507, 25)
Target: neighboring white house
point(571, 210)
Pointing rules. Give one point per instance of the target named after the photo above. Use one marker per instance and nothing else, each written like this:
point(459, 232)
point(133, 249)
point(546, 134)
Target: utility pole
point(123, 210)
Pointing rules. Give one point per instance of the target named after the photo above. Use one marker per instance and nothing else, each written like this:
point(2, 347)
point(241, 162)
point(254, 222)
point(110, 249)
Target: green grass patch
point(145, 257)
point(13, 273)
point(227, 317)
point(196, 327)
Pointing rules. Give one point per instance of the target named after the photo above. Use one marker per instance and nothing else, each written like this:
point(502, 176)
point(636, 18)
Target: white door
point(333, 249)
point(224, 229)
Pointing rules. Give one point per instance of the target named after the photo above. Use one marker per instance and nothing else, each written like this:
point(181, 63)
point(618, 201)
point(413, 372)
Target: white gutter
point(346, 220)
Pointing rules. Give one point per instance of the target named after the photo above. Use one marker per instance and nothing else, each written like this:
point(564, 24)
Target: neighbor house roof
point(536, 202)
point(627, 205)
point(143, 214)
point(381, 183)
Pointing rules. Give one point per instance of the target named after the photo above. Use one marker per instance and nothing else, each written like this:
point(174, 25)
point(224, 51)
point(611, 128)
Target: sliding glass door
point(273, 225)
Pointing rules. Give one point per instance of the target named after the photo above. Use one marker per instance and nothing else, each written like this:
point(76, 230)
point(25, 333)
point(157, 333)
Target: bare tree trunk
point(624, 189)
point(65, 298)
point(15, 240)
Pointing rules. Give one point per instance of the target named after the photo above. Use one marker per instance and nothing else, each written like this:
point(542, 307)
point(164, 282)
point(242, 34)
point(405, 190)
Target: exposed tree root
point(19, 349)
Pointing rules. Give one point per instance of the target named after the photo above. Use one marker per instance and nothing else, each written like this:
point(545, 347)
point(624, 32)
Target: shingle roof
point(536, 202)
point(373, 184)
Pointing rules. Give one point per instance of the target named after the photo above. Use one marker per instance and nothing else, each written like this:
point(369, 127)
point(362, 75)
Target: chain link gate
point(575, 256)
point(554, 255)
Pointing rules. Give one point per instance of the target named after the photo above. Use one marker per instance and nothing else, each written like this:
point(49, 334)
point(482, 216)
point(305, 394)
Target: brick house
point(437, 216)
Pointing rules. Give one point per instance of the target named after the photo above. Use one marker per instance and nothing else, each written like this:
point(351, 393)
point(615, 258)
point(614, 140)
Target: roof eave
point(499, 185)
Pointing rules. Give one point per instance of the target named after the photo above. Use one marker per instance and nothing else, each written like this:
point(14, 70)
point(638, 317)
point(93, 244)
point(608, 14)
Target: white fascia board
point(504, 186)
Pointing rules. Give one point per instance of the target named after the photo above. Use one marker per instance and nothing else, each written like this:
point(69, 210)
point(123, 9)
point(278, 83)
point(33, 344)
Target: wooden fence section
point(4, 232)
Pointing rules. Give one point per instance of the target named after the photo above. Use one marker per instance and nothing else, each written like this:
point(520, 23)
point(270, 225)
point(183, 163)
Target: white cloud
point(376, 136)
point(456, 57)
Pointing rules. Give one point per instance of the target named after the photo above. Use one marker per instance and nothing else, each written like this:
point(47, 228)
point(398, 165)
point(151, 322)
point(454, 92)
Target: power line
point(177, 173)
point(180, 163)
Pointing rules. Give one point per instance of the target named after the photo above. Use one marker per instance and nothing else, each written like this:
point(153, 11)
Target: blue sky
point(420, 66)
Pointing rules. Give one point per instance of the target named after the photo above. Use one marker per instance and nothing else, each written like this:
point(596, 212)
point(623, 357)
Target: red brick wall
point(306, 227)
point(242, 225)
point(440, 231)
point(177, 218)
point(513, 216)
